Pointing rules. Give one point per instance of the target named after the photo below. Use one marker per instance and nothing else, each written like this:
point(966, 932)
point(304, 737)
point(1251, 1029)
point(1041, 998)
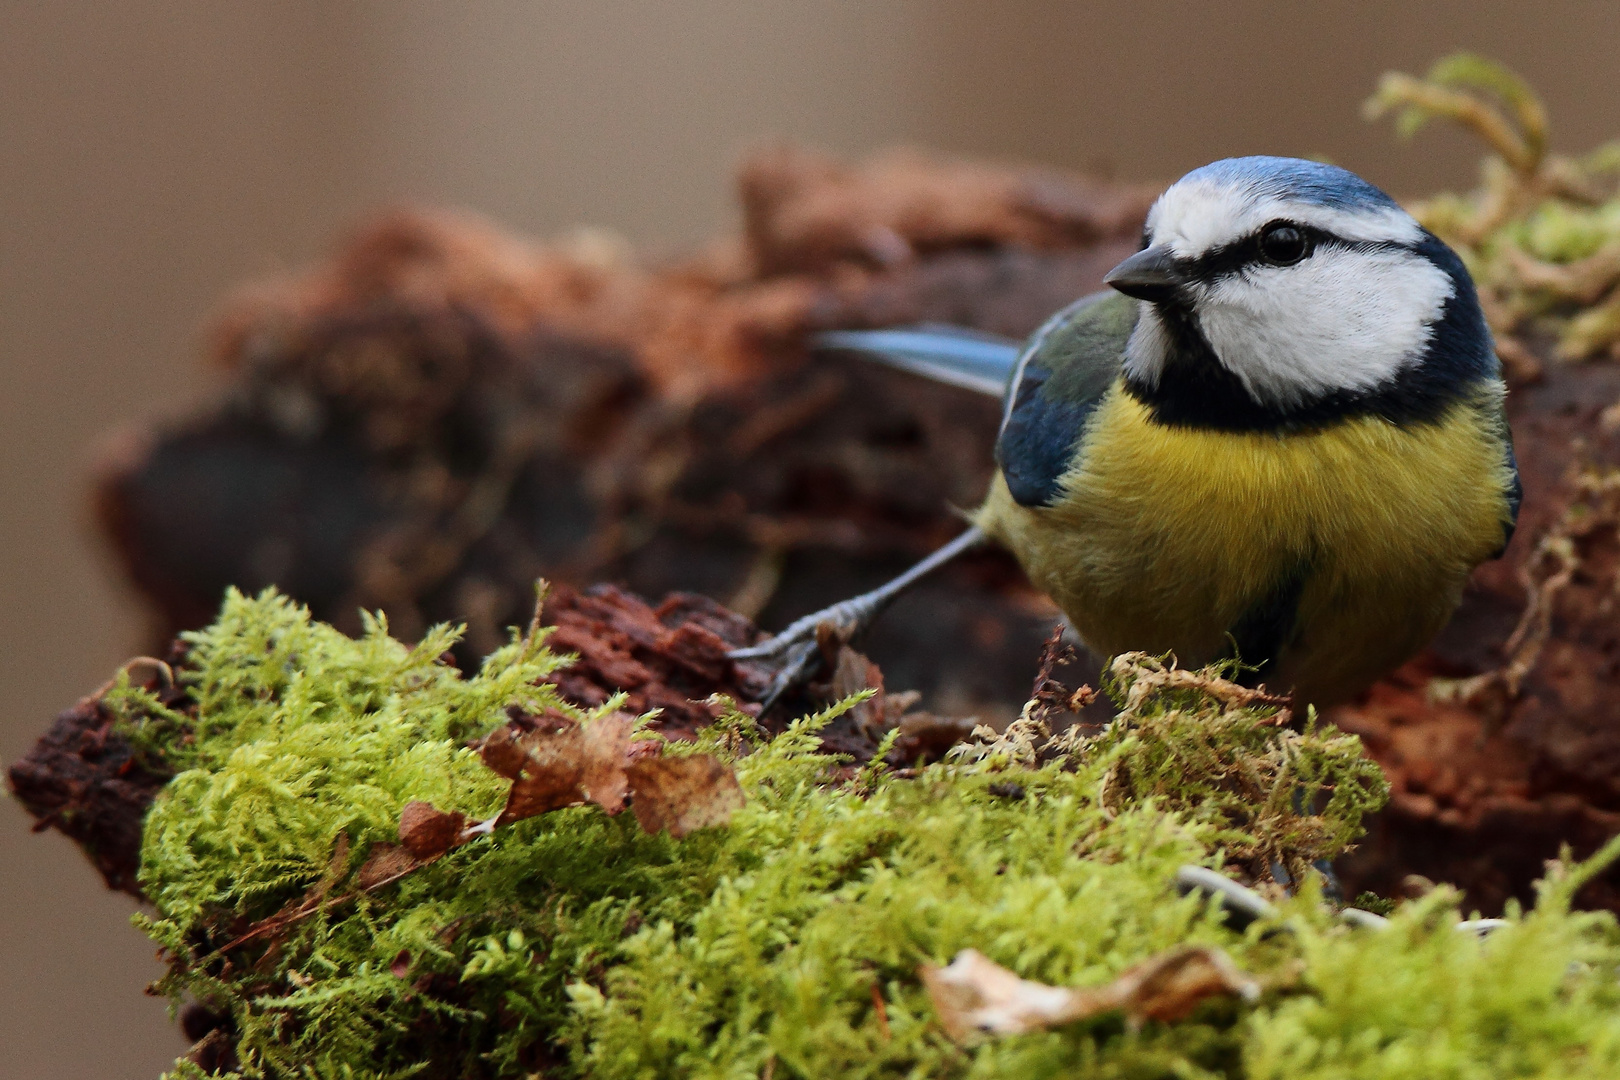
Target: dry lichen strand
point(577, 944)
point(1542, 234)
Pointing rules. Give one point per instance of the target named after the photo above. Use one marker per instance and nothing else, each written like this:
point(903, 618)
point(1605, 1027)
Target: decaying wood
point(85, 780)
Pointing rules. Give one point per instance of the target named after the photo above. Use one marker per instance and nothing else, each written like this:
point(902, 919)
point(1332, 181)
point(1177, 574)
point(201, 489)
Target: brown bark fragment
point(85, 780)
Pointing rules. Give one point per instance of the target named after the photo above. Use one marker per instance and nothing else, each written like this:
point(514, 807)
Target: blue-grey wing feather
point(1061, 376)
point(947, 354)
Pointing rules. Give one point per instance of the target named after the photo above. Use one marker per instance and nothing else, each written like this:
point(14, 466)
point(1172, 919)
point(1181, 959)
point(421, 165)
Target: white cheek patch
point(1195, 217)
point(1340, 320)
point(1147, 347)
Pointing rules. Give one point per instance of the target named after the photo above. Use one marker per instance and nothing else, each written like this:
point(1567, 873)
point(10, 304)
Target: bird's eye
point(1284, 245)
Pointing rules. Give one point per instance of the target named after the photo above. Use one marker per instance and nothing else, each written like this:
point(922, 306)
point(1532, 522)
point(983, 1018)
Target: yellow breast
point(1165, 537)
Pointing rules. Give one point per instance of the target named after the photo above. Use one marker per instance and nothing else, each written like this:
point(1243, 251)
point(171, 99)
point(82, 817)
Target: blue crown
point(1296, 179)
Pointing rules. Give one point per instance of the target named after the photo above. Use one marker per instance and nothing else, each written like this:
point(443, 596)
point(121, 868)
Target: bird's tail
point(947, 354)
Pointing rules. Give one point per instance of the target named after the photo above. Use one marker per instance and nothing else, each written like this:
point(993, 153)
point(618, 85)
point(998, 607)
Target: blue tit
point(1279, 439)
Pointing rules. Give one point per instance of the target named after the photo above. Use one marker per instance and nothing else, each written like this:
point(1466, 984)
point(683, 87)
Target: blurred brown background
point(154, 154)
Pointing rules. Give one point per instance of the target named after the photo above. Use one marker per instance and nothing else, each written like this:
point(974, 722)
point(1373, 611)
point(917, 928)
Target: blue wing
point(1050, 385)
point(1062, 374)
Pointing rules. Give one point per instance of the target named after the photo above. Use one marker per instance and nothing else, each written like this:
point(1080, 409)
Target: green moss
point(573, 944)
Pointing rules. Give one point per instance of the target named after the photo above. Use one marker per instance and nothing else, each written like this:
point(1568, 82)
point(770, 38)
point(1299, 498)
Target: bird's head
point(1279, 292)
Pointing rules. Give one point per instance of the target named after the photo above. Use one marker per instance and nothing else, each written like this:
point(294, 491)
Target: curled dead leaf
point(428, 832)
point(975, 994)
point(1170, 986)
point(545, 767)
point(564, 763)
point(503, 753)
point(680, 794)
point(386, 863)
point(607, 745)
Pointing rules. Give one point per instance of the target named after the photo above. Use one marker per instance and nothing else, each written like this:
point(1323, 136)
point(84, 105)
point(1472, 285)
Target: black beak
point(1150, 274)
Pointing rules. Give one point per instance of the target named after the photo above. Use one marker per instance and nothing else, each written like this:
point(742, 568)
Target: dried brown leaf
point(428, 832)
point(564, 763)
point(681, 794)
point(549, 771)
point(851, 674)
point(975, 994)
point(1170, 986)
point(926, 737)
point(607, 744)
point(387, 863)
point(503, 753)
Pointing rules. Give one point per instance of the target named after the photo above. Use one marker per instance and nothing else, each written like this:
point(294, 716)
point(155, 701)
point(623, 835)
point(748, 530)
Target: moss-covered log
point(787, 941)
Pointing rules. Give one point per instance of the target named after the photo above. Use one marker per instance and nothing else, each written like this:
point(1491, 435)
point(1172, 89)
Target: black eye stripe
point(1245, 253)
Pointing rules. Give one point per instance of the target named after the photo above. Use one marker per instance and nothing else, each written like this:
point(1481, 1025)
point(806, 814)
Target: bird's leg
point(795, 648)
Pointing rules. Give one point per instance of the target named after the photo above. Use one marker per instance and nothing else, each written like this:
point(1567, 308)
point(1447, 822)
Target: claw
point(803, 660)
point(770, 649)
point(845, 617)
point(797, 652)
point(797, 649)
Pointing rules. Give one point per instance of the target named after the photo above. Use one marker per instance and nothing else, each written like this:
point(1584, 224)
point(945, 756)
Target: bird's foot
point(798, 653)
